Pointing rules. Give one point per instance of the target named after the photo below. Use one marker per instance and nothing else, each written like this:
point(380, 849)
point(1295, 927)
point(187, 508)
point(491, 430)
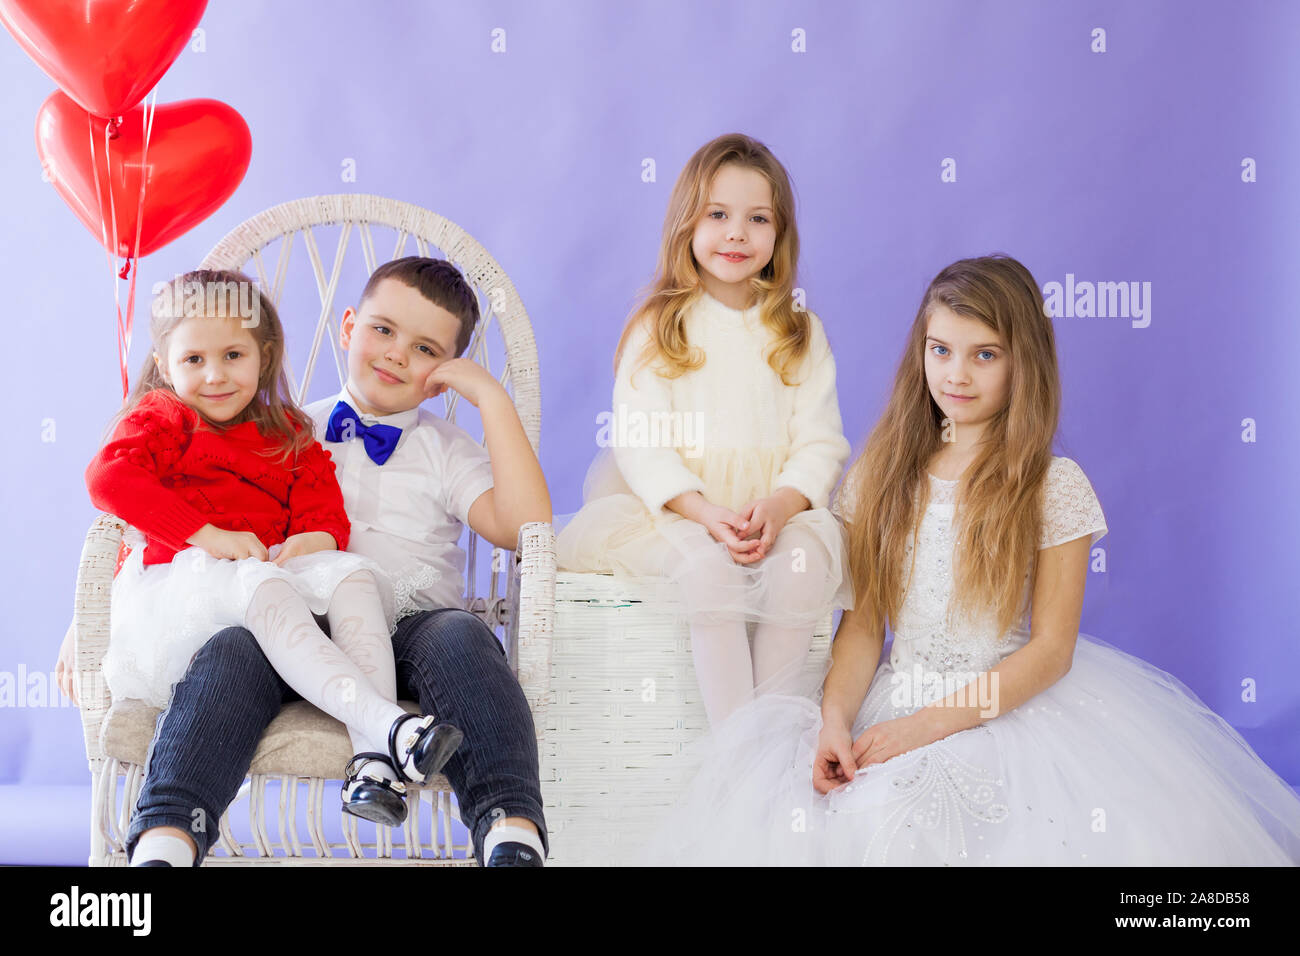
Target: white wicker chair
point(117, 734)
point(624, 708)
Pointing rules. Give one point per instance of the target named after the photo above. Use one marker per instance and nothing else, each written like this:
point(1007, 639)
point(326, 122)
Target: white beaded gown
point(1117, 763)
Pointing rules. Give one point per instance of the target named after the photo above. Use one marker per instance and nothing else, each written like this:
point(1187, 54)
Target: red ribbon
point(124, 322)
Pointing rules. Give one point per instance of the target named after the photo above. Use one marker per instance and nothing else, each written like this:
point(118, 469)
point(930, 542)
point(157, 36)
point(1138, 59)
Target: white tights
point(351, 677)
point(728, 671)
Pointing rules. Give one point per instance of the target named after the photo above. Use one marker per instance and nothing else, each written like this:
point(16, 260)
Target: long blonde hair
point(272, 406)
point(999, 497)
point(676, 285)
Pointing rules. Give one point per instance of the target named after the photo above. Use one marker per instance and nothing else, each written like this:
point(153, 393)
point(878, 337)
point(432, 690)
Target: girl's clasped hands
point(749, 533)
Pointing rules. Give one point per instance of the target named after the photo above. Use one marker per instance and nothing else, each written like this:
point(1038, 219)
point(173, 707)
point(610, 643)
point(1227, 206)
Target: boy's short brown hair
point(438, 281)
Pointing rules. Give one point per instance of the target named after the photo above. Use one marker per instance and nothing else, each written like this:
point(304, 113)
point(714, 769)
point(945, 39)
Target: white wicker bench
point(624, 705)
point(303, 747)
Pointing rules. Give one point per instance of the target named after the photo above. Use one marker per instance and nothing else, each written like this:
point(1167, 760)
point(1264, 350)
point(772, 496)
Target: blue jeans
point(448, 661)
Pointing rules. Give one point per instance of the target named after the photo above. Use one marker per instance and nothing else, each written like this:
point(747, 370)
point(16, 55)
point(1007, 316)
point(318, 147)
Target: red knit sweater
point(166, 474)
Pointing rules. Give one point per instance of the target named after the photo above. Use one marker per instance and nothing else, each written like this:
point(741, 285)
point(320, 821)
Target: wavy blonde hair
point(999, 497)
point(676, 285)
point(272, 406)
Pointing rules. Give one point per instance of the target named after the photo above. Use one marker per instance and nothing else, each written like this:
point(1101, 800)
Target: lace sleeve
point(845, 498)
point(1070, 506)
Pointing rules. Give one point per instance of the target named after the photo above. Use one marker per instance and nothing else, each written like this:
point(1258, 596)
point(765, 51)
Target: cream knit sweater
point(733, 407)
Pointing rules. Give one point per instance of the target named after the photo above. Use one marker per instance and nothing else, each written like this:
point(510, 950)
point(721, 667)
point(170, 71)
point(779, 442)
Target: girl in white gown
point(725, 439)
point(985, 738)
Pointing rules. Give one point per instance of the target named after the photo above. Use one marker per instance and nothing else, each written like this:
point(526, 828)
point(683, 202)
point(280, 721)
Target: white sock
point(162, 846)
point(511, 834)
point(380, 768)
point(375, 768)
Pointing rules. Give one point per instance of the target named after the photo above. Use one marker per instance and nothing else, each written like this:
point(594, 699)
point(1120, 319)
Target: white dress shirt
point(408, 513)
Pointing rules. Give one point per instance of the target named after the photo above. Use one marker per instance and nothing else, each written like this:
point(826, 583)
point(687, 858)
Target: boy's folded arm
point(124, 478)
point(479, 482)
point(501, 487)
point(487, 524)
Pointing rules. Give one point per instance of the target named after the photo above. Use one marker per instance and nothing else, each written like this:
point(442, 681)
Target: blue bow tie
point(380, 440)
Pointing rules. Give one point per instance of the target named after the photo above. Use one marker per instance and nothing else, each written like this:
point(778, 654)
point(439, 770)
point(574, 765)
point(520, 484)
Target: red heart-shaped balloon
point(198, 154)
point(105, 54)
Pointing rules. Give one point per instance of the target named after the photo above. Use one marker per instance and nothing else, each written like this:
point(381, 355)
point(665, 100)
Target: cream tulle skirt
point(803, 578)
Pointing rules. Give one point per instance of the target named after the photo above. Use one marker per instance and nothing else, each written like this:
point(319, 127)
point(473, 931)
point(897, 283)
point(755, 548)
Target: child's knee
point(713, 571)
point(360, 578)
point(270, 600)
point(272, 591)
point(233, 651)
point(359, 590)
point(805, 552)
point(468, 631)
point(453, 635)
point(233, 646)
point(797, 570)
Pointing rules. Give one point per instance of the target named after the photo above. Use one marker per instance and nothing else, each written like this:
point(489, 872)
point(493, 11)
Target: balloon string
point(123, 338)
point(147, 122)
point(110, 251)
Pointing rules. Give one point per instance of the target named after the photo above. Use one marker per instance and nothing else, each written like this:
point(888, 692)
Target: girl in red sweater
point(237, 520)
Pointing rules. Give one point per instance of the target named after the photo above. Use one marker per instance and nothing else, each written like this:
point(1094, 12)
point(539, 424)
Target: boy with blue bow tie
point(410, 480)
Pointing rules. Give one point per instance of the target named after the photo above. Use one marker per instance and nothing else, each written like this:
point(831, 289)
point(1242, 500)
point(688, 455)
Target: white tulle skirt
point(1118, 763)
point(162, 614)
point(804, 577)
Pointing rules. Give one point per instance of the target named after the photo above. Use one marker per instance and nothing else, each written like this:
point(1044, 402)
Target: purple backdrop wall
point(1124, 165)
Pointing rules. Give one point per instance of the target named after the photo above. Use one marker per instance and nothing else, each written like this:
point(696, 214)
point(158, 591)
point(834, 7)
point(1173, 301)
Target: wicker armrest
point(530, 603)
point(90, 618)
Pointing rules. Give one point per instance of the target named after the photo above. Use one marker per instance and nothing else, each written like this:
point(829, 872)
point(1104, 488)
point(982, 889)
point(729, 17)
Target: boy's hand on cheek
point(464, 375)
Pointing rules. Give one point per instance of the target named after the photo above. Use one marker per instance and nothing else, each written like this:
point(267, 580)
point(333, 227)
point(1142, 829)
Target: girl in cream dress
point(725, 437)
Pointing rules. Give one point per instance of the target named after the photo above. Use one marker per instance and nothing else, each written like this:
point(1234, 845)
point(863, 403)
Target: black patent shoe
point(424, 748)
point(514, 854)
point(370, 796)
